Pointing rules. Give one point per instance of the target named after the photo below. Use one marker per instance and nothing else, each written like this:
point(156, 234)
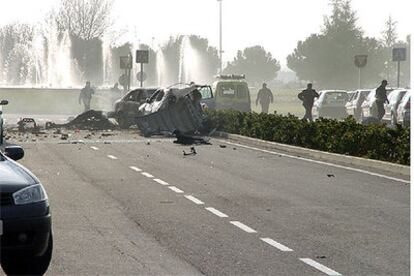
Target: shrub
point(344, 137)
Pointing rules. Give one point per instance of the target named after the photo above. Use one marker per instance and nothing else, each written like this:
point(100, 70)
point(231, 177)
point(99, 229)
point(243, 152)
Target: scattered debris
point(223, 146)
point(321, 257)
point(28, 124)
point(330, 175)
point(192, 152)
point(190, 139)
point(89, 120)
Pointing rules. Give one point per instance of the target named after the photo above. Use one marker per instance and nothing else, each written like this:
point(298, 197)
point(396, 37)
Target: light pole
point(221, 33)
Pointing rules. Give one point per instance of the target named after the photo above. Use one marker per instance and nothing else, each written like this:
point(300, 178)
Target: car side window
point(206, 93)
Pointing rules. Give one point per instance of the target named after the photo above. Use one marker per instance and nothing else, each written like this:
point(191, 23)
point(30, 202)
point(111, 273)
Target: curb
point(320, 155)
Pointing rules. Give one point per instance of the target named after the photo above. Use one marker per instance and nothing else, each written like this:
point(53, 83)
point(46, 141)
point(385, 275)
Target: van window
point(227, 90)
point(336, 97)
point(242, 91)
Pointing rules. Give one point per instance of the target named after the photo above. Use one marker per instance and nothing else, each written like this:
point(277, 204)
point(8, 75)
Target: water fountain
point(191, 63)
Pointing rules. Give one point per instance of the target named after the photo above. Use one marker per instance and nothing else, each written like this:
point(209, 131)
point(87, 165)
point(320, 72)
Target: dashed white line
point(194, 199)
point(322, 163)
point(320, 267)
point(112, 157)
point(147, 174)
point(274, 243)
point(94, 148)
point(217, 212)
point(243, 227)
point(162, 182)
point(135, 169)
point(175, 189)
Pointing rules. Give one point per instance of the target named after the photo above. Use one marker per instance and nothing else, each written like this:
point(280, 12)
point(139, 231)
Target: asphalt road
point(141, 207)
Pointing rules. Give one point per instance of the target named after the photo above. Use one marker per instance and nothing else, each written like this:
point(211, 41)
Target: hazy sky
point(275, 24)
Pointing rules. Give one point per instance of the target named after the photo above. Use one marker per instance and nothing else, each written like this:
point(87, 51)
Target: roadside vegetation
point(344, 137)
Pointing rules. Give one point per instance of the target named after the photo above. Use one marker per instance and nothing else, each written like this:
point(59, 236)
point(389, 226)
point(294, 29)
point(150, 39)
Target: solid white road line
point(159, 181)
point(147, 174)
point(112, 157)
point(217, 212)
point(274, 243)
point(194, 199)
point(243, 227)
point(135, 169)
point(322, 163)
point(94, 148)
point(175, 189)
point(320, 267)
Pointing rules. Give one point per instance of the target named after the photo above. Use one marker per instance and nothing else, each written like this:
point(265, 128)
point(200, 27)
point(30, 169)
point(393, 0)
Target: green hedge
point(344, 137)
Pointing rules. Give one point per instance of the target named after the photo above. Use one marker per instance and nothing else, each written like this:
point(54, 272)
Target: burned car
point(127, 108)
point(172, 110)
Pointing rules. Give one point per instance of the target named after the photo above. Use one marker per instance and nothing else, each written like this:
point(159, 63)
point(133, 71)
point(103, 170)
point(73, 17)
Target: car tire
point(28, 265)
point(123, 122)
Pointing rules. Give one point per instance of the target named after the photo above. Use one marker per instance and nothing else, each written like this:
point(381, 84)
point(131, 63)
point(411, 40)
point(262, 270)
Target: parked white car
point(369, 106)
point(394, 99)
point(3, 102)
point(331, 104)
point(353, 106)
point(403, 110)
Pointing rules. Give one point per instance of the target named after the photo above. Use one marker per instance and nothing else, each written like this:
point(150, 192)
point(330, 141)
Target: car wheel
point(123, 122)
point(28, 265)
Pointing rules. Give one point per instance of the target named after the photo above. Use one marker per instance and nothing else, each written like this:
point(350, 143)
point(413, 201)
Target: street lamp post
point(221, 34)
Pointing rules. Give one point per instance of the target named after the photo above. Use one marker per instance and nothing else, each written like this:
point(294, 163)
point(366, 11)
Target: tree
point(389, 35)
point(256, 63)
point(84, 19)
point(327, 58)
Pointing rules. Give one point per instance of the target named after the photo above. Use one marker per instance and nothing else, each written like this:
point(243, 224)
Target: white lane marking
point(175, 189)
point(112, 157)
point(217, 212)
point(94, 148)
point(320, 267)
point(322, 163)
point(135, 169)
point(274, 243)
point(243, 227)
point(162, 182)
point(147, 174)
point(194, 199)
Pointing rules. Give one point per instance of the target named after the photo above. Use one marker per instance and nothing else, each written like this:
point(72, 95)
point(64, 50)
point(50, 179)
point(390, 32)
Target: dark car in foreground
point(25, 219)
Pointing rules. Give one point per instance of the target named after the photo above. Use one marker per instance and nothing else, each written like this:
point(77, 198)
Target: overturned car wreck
point(174, 109)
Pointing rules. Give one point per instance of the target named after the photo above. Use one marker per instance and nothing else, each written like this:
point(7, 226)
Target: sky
point(277, 25)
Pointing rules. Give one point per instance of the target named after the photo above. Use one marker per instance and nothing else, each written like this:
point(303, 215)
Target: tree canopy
point(256, 63)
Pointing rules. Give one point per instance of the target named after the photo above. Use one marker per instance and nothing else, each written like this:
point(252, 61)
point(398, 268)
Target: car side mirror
point(14, 152)
point(4, 102)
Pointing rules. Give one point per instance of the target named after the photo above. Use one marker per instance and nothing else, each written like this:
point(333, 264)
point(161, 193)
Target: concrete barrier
point(357, 162)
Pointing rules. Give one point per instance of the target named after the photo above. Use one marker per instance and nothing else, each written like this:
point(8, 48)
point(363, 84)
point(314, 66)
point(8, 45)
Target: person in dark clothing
point(85, 96)
point(381, 99)
point(265, 97)
point(307, 97)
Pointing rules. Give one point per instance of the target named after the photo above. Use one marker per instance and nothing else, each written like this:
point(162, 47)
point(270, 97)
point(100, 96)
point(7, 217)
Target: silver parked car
point(331, 104)
point(353, 106)
point(403, 110)
point(369, 106)
point(394, 99)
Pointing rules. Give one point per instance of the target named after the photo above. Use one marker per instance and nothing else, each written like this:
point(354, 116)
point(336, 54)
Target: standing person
point(265, 97)
point(381, 98)
point(86, 96)
point(116, 93)
point(307, 97)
